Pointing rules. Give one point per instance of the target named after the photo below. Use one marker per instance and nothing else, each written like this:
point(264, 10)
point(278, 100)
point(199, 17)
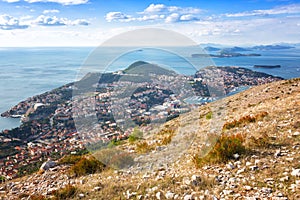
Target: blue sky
point(90, 22)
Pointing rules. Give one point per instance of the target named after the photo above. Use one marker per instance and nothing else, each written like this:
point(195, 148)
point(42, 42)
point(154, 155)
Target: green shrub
point(135, 135)
point(85, 166)
point(113, 143)
point(226, 146)
point(2, 179)
point(208, 115)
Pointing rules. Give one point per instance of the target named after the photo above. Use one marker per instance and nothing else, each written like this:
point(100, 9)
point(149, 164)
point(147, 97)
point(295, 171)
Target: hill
point(145, 68)
point(209, 48)
point(256, 137)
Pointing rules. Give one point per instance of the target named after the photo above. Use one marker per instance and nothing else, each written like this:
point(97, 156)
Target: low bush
point(113, 143)
point(224, 149)
point(166, 136)
point(86, 165)
point(2, 179)
point(166, 140)
point(70, 159)
point(67, 192)
point(208, 115)
point(144, 147)
point(135, 135)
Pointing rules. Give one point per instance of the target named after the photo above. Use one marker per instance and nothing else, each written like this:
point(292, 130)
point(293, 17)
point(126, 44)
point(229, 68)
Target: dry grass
point(244, 120)
point(162, 138)
point(68, 192)
point(117, 189)
point(226, 146)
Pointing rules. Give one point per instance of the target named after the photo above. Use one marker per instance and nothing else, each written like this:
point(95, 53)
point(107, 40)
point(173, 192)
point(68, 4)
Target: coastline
point(17, 119)
point(52, 119)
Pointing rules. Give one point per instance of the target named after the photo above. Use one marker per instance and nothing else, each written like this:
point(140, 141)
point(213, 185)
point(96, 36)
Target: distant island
point(253, 48)
point(272, 47)
point(267, 66)
point(224, 54)
point(235, 51)
point(209, 48)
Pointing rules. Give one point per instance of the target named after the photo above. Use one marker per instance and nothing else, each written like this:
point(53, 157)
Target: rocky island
point(224, 54)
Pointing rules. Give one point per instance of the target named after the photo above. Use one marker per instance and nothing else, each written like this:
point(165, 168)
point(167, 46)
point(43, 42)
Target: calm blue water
point(288, 59)
point(25, 72)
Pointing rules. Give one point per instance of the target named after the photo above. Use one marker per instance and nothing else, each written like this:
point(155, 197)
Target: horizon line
point(208, 44)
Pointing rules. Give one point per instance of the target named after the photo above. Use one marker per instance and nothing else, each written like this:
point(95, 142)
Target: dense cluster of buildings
point(58, 124)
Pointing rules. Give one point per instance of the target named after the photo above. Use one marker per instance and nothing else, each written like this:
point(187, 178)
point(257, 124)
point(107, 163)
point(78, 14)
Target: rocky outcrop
point(47, 165)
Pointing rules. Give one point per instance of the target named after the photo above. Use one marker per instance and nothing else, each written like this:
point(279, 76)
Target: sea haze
point(29, 71)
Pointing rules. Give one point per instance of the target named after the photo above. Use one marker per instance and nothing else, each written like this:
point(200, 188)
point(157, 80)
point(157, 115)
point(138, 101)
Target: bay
point(25, 72)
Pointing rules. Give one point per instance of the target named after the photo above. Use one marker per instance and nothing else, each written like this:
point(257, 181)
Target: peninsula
point(49, 131)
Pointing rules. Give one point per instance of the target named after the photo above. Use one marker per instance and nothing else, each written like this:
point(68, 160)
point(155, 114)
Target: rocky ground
point(269, 169)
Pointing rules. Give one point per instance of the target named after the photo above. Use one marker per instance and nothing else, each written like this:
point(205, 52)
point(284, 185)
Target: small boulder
point(296, 172)
point(47, 165)
point(158, 195)
point(188, 197)
point(169, 195)
point(81, 195)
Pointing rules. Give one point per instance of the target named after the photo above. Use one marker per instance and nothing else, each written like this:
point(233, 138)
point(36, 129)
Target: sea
point(25, 72)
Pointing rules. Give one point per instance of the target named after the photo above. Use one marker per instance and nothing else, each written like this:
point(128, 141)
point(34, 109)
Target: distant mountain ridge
point(252, 48)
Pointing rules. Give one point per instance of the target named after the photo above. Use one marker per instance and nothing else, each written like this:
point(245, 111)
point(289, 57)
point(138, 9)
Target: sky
point(27, 23)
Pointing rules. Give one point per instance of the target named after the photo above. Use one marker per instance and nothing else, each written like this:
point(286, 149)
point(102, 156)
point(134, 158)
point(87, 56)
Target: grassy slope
point(263, 138)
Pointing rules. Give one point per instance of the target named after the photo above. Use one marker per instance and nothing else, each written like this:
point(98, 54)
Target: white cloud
point(81, 22)
point(150, 17)
point(174, 17)
point(44, 20)
point(63, 2)
point(154, 12)
point(121, 17)
point(159, 8)
point(50, 11)
point(188, 17)
point(154, 8)
point(229, 31)
point(117, 16)
point(11, 1)
point(184, 10)
point(288, 9)
point(8, 22)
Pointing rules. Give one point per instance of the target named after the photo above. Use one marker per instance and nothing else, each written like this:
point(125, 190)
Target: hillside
point(145, 68)
point(264, 122)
